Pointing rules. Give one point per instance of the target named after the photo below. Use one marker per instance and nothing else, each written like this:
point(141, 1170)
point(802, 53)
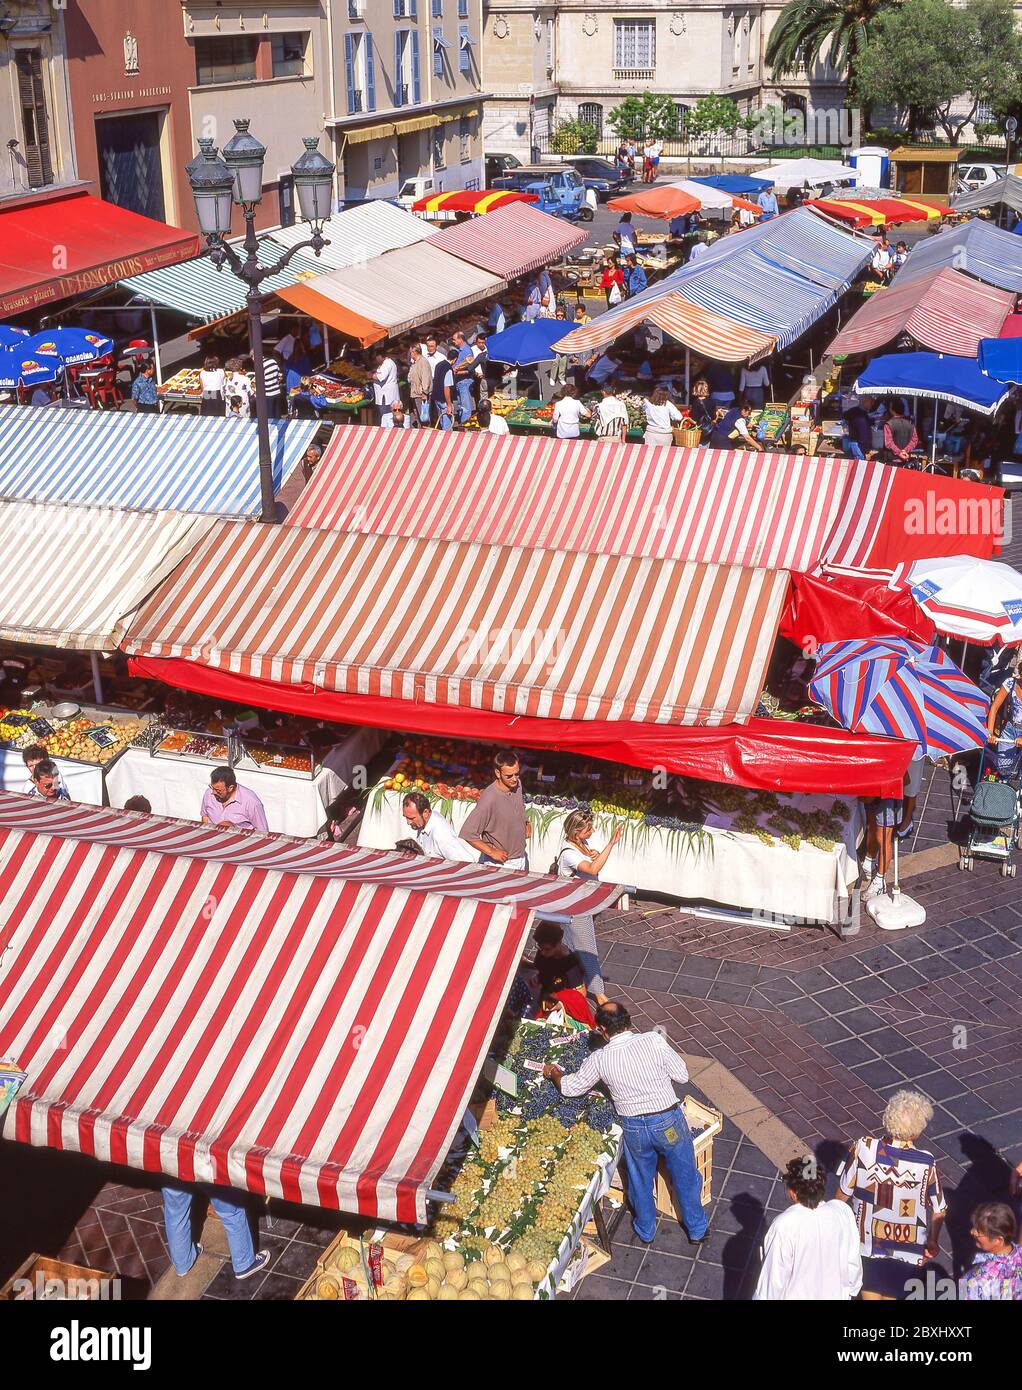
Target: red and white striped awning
point(776, 511)
point(713, 335)
point(310, 1036)
point(544, 633)
point(945, 311)
point(511, 240)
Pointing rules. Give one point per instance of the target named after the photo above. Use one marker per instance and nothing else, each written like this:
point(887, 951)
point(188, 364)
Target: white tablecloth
point(83, 782)
point(294, 805)
point(724, 866)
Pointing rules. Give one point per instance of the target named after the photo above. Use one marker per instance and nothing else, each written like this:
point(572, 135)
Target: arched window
point(680, 116)
point(794, 102)
point(591, 113)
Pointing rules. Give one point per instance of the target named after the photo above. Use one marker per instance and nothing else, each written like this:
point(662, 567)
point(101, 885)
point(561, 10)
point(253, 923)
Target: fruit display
point(504, 405)
point(14, 728)
point(184, 743)
point(423, 1272)
point(347, 371)
point(333, 391)
point(295, 761)
point(86, 738)
point(183, 383)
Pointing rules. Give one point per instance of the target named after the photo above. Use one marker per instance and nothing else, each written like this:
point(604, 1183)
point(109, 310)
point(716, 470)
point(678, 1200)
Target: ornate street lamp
point(238, 176)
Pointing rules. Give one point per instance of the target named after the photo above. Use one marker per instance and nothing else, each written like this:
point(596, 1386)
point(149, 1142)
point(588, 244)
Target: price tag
point(41, 727)
point(501, 1077)
point(17, 721)
point(533, 1066)
point(102, 737)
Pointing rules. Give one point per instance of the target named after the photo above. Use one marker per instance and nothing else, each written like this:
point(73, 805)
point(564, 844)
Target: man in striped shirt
point(274, 382)
point(638, 1070)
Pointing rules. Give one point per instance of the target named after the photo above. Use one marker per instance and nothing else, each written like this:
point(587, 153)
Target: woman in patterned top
point(996, 1271)
point(896, 1198)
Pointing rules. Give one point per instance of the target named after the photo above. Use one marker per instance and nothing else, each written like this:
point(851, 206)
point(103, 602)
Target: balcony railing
point(635, 74)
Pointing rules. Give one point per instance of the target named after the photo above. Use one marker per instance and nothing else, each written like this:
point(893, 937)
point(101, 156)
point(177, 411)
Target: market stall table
point(531, 416)
point(85, 745)
point(736, 856)
point(295, 804)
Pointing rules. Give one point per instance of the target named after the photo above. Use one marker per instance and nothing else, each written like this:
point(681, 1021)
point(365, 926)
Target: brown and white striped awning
point(545, 633)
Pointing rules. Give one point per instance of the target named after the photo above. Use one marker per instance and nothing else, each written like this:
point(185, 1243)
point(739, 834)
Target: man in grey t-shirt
point(497, 826)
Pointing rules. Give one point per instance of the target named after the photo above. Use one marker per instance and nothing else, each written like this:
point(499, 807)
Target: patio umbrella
point(980, 600)
point(10, 336)
point(72, 345)
point(524, 344)
point(20, 368)
point(684, 195)
point(1001, 358)
point(902, 689)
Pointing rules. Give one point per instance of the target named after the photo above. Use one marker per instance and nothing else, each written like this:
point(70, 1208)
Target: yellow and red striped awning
point(480, 201)
point(877, 212)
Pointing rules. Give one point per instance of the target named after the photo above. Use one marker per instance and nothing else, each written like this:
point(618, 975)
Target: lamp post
point(237, 177)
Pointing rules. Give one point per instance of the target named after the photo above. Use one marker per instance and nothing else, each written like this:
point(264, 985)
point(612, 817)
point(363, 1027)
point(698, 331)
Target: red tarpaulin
point(772, 755)
point(101, 244)
point(837, 608)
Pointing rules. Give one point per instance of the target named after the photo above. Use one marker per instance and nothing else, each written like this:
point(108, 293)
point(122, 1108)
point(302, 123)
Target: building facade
point(546, 64)
point(38, 153)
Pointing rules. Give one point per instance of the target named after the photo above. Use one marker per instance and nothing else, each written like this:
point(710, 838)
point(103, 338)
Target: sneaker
point(904, 834)
point(867, 867)
point(877, 886)
point(260, 1262)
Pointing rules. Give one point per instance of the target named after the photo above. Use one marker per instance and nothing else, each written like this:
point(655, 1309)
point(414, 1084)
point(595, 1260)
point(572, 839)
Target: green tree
point(714, 115)
point(807, 27)
point(925, 55)
point(575, 137)
point(649, 117)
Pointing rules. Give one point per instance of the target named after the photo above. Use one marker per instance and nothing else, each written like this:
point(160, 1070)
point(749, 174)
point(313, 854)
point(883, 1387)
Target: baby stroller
point(994, 828)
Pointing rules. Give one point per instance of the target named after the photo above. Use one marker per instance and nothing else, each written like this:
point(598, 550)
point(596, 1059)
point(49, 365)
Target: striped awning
point(944, 310)
point(716, 337)
point(775, 279)
point(400, 290)
point(976, 249)
point(474, 200)
point(308, 1036)
point(181, 463)
point(543, 633)
point(876, 212)
point(358, 234)
point(510, 241)
point(74, 576)
point(200, 291)
point(776, 511)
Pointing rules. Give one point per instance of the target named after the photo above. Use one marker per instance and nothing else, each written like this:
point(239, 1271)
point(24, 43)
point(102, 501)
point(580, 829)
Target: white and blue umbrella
point(73, 346)
point(20, 368)
point(901, 689)
point(11, 336)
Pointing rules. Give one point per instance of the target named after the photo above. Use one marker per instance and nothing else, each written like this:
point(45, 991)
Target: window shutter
point(416, 78)
point(413, 11)
point(33, 112)
point(399, 77)
point(370, 74)
point(349, 69)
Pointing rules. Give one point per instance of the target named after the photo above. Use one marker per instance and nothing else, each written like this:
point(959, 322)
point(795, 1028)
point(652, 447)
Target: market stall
point(295, 782)
point(526, 415)
point(789, 856)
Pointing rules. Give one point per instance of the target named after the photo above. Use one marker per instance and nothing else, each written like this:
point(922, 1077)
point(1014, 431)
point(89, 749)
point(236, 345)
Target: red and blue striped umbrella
point(903, 689)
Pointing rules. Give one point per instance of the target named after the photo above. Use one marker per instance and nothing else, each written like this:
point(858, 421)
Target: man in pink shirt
point(225, 803)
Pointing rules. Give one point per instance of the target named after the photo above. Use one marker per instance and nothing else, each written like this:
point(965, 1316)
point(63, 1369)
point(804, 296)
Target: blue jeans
point(853, 450)
point(647, 1139)
point(228, 1204)
point(466, 404)
point(441, 413)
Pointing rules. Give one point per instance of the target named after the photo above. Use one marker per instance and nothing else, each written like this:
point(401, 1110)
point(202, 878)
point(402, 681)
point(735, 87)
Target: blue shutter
point(398, 7)
point(370, 74)
point(413, 9)
point(349, 69)
point(398, 74)
point(416, 79)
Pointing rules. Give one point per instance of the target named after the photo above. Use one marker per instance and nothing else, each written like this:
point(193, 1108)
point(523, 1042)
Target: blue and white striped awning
point(196, 288)
point(358, 234)
point(977, 249)
point(180, 463)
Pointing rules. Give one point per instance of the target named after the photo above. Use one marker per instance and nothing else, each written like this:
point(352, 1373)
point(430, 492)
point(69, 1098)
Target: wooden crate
point(43, 1267)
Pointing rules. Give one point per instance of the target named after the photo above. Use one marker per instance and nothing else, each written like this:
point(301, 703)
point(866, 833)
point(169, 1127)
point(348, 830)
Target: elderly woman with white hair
point(896, 1198)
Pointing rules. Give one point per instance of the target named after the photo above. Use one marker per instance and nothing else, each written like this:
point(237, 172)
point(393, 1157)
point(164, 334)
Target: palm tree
point(798, 38)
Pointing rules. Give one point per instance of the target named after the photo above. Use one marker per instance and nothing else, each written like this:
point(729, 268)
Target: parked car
point(600, 175)
point(562, 188)
point(497, 164)
point(971, 176)
point(414, 189)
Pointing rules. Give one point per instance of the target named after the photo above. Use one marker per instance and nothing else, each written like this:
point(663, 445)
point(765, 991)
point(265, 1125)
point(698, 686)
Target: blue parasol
point(524, 344)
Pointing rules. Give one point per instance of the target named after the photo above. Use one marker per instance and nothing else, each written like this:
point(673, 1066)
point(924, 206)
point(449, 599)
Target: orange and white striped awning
point(306, 1034)
point(544, 633)
point(721, 339)
point(775, 511)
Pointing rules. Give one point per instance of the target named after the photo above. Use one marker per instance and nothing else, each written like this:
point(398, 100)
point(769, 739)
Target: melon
point(493, 1255)
point(417, 1276)
point(328, 1287)
point(537, 1271)
point(500, 1290)
point(436, 1269)
point(457, 1278)
point(346, 1257)
point(448, 1293)
point(521, 1293)
point(468, 1296)
point(418, 1296)
point(454, 1259)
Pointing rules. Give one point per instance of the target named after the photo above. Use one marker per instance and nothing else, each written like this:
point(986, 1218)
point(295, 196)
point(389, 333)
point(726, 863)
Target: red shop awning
point(100, 244)
point(772, 755)
point(839, 607)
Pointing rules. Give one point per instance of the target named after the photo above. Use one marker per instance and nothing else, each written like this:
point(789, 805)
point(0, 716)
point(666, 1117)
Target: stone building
point(38, 153)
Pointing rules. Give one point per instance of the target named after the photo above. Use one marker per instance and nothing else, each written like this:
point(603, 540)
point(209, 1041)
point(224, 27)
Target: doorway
point(130, 166)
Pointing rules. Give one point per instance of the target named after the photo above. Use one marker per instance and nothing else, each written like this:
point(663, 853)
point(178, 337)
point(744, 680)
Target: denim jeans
point(521, 863)
point(466, 404)
point(230, 1206)
point(647, 1138)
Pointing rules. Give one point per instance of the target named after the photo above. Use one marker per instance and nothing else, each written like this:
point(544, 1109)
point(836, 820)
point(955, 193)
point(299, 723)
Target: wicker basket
point(688, 438)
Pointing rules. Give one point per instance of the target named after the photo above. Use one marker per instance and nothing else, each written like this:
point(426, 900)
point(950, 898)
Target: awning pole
point(97, 683)
point(688, 392)
point(156, 344)
point(326, 344)
point(933, 442)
